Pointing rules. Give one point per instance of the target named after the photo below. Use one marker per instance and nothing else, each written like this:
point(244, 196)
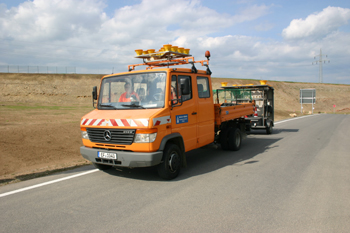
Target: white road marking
point(47, 183)
point(296, 118)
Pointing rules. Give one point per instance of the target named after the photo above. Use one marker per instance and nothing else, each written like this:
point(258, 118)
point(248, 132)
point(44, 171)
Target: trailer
point(262, 95)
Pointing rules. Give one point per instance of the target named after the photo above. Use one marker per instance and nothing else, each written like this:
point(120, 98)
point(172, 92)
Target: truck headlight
point(145, 138)
point(85, 135)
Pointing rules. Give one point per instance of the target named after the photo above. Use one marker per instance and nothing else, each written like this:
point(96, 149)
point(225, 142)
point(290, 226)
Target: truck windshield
point(133, 91)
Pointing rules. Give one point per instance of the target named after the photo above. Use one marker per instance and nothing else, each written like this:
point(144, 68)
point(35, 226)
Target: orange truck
point(151, 117)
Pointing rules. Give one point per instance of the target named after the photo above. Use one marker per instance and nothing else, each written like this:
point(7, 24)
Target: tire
point(235, 139)
point(224, 141)
point(269, 128)
point(101, 166)
point(170, 167)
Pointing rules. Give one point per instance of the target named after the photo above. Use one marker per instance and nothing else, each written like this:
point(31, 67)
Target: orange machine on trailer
point(151, 117)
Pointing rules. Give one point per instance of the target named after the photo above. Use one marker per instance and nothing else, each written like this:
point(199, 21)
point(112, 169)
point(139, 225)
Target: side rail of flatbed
point(228, 112)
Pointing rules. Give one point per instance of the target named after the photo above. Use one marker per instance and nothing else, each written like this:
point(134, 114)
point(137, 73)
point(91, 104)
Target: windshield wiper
point(108, 105)
point(133, 105)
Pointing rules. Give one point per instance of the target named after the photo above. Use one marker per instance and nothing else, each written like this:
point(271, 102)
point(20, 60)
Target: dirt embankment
point(40, 115)
point(49, 89)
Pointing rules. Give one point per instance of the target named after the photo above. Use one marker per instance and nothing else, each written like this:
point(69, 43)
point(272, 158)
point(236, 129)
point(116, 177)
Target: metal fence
point(39, 69)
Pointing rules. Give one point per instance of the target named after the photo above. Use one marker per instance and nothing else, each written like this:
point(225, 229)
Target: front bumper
point(124, 158)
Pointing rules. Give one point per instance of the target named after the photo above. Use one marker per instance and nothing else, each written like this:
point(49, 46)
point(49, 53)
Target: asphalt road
point(295, 180)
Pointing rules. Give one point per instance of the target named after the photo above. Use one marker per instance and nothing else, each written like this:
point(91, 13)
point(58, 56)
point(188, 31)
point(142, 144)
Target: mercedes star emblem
point(107, 135)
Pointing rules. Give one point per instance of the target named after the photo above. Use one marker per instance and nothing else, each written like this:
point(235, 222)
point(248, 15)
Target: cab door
point(205, 111)
point(184, 114)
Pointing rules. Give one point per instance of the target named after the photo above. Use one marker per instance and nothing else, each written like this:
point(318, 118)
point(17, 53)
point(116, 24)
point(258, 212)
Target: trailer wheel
point(224, 140)
point(235, 139)
point(169, 168)
point(269, 128)
point(101, 166)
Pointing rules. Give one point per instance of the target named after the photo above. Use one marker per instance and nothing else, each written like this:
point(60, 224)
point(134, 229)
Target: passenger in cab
point(128, 95)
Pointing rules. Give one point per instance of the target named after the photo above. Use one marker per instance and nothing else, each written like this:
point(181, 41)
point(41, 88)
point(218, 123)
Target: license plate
point(107, 155)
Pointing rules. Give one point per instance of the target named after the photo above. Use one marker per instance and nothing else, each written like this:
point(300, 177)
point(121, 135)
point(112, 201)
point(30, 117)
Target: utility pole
point(320, 62)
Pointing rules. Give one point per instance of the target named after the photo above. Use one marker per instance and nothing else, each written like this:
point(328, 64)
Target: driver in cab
point(128, 95)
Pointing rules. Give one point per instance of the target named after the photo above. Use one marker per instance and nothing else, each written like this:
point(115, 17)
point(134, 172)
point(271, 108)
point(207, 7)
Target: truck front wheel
point(169, 168)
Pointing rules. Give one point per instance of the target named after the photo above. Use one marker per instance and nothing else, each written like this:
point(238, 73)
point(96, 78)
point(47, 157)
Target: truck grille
point(111, 136)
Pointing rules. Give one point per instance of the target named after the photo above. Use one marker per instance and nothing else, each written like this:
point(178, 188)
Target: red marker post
point(333, 108)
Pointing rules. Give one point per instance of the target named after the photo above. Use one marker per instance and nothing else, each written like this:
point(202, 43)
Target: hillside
point(75, 89)
point(40, 115)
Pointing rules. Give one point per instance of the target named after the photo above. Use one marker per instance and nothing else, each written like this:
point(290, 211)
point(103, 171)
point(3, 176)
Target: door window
point(203, 87)
point(189, 96)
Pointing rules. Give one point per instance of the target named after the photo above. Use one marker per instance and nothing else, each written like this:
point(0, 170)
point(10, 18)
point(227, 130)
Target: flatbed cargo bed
point(226, 112)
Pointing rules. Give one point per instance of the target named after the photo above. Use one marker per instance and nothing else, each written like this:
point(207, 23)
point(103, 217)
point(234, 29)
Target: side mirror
point(94, 93)
point(185, 86)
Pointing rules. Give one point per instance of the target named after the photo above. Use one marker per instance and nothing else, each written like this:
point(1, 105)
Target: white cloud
point(79, 33)
point(251, 13)
point(72, 24)
point(317, 25)
point(42, 20)
point(263, 27)
point(141, 22)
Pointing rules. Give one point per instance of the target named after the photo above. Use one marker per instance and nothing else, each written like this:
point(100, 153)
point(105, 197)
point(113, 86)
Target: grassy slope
point(75, 89)
point(40, 113)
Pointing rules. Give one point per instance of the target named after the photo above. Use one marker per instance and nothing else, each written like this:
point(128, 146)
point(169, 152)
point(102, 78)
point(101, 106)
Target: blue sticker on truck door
point(180, 119)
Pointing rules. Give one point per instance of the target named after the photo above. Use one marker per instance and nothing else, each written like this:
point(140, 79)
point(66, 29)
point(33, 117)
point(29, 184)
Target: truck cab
point(142, 114)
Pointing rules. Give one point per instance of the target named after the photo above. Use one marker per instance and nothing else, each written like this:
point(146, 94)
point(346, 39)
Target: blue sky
point(273, 40)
